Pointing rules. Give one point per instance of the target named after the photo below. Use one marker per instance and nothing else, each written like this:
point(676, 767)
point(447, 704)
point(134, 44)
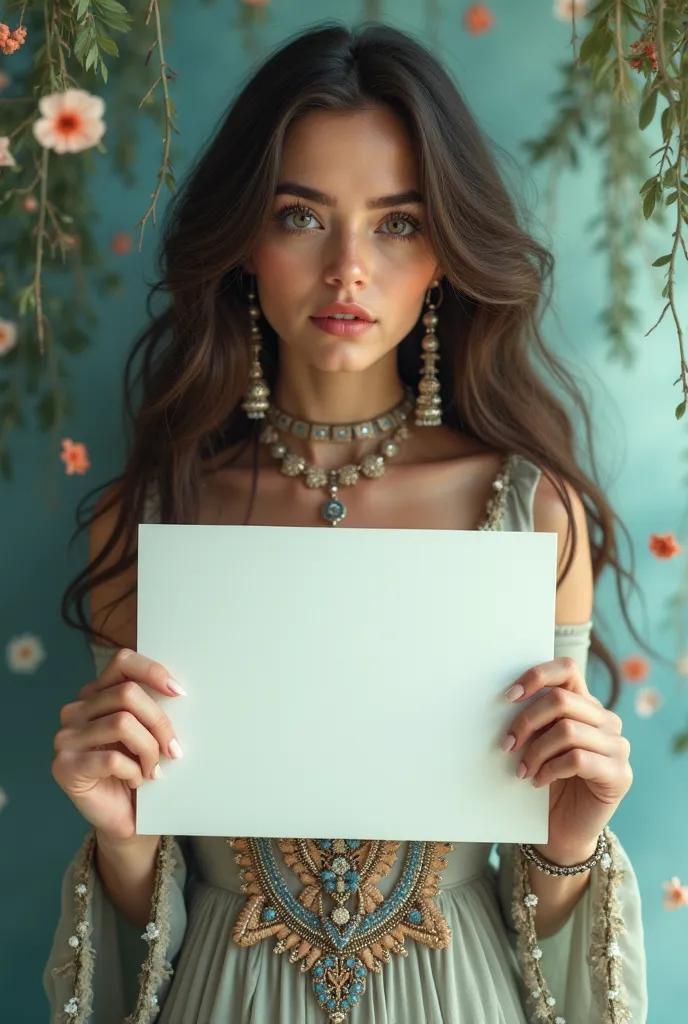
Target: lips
point(347, 308)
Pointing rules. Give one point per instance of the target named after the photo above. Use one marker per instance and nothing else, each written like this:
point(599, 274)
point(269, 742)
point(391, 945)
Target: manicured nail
point(508, 742)
point(157, 772)
point(514, 692)
point(175, 688)
point(521, 771)
point(174, 749)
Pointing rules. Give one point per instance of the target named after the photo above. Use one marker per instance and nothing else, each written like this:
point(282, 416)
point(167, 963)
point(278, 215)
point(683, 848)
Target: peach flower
point(121, 243)
point(255, 3)
point(563, 9)
point(478, 18)
point(635, 668)
point(75, 457)
point(5, 80)
point(70, 122)
point(676, 895)
point(664, 545)
point(6, 158)
point(647, 702)
point(30, 204)
point(8, 336)
point(25, 653)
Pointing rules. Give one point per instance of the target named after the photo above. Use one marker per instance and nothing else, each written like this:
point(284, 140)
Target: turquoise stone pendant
point(333, 511)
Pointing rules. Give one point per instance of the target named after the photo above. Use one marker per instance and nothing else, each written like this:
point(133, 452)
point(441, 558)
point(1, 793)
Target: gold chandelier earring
point(255, 403)
point(428, 410)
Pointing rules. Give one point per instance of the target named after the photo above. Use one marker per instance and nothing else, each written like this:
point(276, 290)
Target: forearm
point(127, 871)
point(557, 896)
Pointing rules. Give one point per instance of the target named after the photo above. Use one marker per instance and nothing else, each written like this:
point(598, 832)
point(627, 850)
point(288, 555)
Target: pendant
point(333, 511)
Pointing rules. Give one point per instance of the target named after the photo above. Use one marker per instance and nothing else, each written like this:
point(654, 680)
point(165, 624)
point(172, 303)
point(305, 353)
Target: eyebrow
point(292, 188)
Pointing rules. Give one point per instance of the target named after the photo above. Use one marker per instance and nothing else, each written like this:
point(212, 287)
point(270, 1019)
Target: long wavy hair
point(188, 370)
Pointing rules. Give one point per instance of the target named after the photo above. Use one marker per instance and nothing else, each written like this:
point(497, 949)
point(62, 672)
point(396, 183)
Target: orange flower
point(75, 457)
point(30, 204)
point(635, 668)
point(11, 41)
point(664, 545)
point(676, 895)
point(121, 243)
point(478, 19)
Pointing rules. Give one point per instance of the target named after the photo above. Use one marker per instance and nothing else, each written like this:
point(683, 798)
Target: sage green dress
point(458, 964)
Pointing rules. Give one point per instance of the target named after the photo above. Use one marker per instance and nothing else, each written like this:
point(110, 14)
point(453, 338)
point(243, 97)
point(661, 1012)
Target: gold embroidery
point(340, 927)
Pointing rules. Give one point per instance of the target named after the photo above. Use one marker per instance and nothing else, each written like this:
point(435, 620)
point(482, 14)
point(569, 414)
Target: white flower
point(6, 158)
point(81, 889)
point(81, 928)
point(72, 1007)
point(536, 993)
point(647, 701)
point(152, 932)
point(564, 8)
point(606, 861)
point(530, 900)
point(550, 1000)
point(559, 1020)
point(25, 653)
point(73, 941)
point(8, 336)
point(537, 953)
point(70, 122)
point(613, 993)
point(613, 950)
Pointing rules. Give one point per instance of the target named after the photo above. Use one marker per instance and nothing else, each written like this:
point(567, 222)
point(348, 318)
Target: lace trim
point(155, 968)
point(605, 952)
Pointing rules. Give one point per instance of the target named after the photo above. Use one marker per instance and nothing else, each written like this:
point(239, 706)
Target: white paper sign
point(344, 682)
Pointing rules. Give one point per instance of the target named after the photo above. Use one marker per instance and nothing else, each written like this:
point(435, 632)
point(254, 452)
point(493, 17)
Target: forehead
point(361, 153)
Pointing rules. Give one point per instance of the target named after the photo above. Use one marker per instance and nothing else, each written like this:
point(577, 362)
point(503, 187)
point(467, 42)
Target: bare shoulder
point(113, 600)
point(575, 592)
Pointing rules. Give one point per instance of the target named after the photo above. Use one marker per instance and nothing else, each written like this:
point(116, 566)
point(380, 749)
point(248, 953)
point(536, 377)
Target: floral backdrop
point(101, 106)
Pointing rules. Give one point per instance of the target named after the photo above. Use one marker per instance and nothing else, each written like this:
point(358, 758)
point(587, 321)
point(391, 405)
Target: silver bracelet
point(557, 869)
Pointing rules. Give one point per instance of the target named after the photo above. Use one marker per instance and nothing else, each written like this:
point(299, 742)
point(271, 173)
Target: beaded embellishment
point(340, 927)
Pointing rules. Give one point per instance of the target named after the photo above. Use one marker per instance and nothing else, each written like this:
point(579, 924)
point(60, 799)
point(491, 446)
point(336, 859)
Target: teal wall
point(507, 77)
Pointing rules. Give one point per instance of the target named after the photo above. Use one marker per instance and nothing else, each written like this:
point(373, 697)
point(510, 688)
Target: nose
point(347, 263)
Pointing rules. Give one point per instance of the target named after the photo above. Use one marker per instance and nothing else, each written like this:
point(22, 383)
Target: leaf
point(647, 110)
point(92, 56)
point(650, 183)
point(74, 341)
point(170, 182)
point(679, 744)
point(667, 123)
point(46, 412)
point(671, 198)
point(680, 410)
point(662, 261)
point(81, 9)
point(108, 45)
point(649, 202)
point(6, 468)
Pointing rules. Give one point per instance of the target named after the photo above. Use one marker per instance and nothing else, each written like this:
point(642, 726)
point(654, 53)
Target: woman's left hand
point(569, 741)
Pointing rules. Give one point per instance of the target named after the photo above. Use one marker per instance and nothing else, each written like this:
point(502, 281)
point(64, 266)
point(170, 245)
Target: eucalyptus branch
point(167, 74)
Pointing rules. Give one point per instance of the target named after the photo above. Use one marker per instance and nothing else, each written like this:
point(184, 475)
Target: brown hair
point(194, 354)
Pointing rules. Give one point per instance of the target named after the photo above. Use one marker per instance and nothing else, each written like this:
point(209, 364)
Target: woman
point(346, 229)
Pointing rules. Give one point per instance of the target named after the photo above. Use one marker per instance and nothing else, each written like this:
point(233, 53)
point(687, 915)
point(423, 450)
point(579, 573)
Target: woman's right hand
point(111, 740)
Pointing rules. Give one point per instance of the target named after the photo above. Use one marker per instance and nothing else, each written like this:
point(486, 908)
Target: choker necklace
point(372, 466)
point(374, 427)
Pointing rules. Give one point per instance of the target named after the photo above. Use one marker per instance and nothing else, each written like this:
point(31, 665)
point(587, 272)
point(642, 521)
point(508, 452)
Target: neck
point(334, 397)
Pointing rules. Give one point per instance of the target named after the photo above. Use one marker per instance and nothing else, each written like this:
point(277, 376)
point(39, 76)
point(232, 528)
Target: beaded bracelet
point(550, 868)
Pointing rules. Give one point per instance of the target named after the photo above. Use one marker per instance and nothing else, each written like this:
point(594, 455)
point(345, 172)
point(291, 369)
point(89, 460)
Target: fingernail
point(174, 749)
point(521, 771)
point(175, 688)
point(508, 742)
point(157, 772)
point(514, 692)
